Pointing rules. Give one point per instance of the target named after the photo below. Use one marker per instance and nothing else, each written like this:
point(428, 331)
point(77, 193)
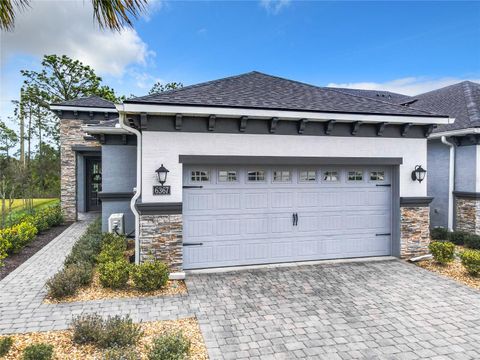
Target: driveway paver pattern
point(355, 310)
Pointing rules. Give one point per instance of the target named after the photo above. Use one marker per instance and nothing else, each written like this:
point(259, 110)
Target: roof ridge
point(472, 106)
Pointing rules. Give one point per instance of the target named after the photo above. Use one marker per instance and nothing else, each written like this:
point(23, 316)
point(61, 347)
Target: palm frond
point(116, 14)
point(8, 9)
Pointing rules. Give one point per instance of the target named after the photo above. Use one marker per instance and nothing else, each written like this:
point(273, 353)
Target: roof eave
point(458, 132)
point(82, 108)
point(95, 130)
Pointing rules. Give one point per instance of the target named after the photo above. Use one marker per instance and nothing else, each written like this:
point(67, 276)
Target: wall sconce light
point(419, 173)
point(162, 173)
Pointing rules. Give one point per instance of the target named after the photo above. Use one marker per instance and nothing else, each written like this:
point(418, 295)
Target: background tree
point(111, 14)
point(158, 87)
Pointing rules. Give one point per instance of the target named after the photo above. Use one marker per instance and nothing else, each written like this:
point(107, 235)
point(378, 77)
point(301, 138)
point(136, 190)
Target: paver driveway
point(370, 310)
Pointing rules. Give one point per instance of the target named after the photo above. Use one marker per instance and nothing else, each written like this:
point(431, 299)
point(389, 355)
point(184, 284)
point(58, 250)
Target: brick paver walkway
point(363, 310)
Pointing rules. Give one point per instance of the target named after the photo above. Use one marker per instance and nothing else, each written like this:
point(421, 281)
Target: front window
point(227, 175)
point(331, 176)
point(199, 175)
point(377, 176)
point(355, 175)
point(308, 175)
point(256, 175)
point(281, 176)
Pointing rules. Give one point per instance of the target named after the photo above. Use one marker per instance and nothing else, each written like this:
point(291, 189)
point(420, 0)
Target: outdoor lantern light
point(419, 173)
point(162, 172)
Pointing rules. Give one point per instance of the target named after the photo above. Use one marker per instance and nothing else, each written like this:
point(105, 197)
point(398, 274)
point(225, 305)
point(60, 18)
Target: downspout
point(451, 181)
point(138, 188)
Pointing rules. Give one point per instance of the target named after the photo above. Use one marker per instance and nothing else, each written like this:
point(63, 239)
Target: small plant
point(471, 261)
point(443, 252)
point(439, 233)
point(64, 283)
point(150, 275)
point(458, 237)
point(5, 345)
point(38, 351)
point(113, 251)
point(121, 354)
point(119, 332)
point(114, 274)
point(87, 247)
point(115, 331)
point(473, 242)
point(173, 346)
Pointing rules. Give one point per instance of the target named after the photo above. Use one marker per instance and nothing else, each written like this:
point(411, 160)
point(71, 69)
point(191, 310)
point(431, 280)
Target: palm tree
point(111, 14)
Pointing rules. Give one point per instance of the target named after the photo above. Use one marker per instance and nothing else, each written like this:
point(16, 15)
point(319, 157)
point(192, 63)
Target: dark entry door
point(94, 183)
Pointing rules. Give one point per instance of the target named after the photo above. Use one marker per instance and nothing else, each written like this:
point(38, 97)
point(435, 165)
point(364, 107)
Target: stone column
point(414, 231)
point(467, 212)
point(161, 237)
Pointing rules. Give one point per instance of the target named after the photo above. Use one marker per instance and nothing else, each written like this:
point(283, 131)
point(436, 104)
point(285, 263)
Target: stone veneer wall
point(70, 134)
point(161, 236)
point(467, 215)
point(414, 231)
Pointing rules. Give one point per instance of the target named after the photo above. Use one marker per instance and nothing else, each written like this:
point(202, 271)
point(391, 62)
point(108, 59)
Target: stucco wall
point(119, 166)
point(165, 148)
point(466, 168)
point(438, 167)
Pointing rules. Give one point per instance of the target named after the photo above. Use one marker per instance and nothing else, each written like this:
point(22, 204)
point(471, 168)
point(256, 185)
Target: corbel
point(107, 115)
point(381, 128)
point(91, 115)
point(273, 124)
point(212, 122)
point(101, 139)
point(329, 126)
point(355, 127)
point(243, 123)
point(75, 113)
point(178, 122)
point(302, 124)
point(405, 128)
point(143, 121)
point(429, 129)
point(124, 139)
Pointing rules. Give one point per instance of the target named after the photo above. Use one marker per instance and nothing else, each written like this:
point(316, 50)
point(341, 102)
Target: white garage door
point(259, 214)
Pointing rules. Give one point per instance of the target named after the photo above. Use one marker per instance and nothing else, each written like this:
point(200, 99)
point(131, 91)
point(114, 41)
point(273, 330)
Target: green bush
point(87, 329)
point(87, 248)
point(443, 252)
point(38, 351)
point(457, 237)
point(150, 275)
point(114, 274)
point(115, 331)
point(439, 233)
point(471, 261)
point(172, 346)
point(64, 283)
point(473, 242)
point(121, 354)
point(111, 253)
point(5, 345)
point(16, 237)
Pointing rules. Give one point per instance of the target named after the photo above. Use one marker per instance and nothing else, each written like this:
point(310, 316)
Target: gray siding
point(438, 157)
point(81, 183)
point(119, 165)
point(465, 168)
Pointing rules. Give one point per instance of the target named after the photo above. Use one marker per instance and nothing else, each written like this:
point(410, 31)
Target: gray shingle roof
point(383, 95)
point(90, 101)
point(461, 101)
point(257, 90)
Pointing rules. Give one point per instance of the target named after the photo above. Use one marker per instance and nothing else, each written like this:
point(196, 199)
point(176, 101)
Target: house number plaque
point(161, 190)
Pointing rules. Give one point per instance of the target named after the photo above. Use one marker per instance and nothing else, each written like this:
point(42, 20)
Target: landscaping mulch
point(65, 348)
point(42, 239)
point(453, 270)
point(97, 292)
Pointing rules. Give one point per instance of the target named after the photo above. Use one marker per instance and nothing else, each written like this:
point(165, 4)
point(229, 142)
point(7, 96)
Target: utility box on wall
point(116, 224)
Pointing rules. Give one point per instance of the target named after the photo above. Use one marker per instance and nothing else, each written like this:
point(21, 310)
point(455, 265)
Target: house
point(454, 156)
point(261, 170)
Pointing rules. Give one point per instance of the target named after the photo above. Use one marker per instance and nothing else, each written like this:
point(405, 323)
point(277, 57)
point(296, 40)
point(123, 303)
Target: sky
point(407, 47)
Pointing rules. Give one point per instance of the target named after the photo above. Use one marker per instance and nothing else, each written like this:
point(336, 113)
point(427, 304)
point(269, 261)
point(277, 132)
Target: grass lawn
point(18, 208)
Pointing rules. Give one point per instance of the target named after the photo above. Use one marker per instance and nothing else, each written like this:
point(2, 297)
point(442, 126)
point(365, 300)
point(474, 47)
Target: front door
point(94, 183)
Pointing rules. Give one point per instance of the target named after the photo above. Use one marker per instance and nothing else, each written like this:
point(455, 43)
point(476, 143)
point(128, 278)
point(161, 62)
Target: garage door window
point(355, 175)
point(199, 176)
point(331, 176)
point(308, 176)
point(281, 176)
point(227, 176)
point(377, 175)
point(256, 175)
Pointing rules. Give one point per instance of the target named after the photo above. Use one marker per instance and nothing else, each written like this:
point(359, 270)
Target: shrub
point(149, 276)
point(87, 329)
point(457, 237)
point(169, 347)
point(38, 351)
point(119, 332)
point(5, 345)
point(443, 252)
point(16, 237)
point(119, 241)
point(439, 233)
point(115, 331)
point(121, 354)
point(473, 242)
point(114, 274)
point(62, 284)
point(471, 261)
point(110, 253)
point(87, 247)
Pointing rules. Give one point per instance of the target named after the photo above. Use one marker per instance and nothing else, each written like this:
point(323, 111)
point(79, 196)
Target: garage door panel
point(252, 223)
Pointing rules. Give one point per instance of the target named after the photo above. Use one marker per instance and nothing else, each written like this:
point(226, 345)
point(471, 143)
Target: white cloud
point(67, 27)
point(408, 86)
point(274, 6)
